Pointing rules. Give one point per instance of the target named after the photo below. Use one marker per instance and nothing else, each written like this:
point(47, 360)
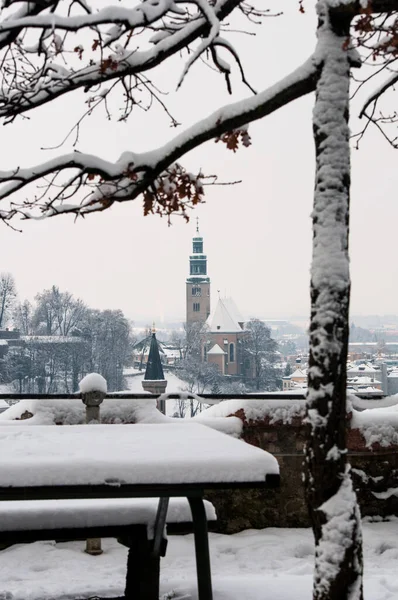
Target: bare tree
point(109, 333)
point(259, 353)
point(199, 376)
point(8, 295)
point(57, 313)
point(194, 338)
point(23, 317)
point(349, 33)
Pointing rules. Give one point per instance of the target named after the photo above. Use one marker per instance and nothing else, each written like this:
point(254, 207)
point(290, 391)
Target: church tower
point(198, 283)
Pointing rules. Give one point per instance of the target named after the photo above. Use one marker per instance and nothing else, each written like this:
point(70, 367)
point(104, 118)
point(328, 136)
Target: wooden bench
point(137, 523)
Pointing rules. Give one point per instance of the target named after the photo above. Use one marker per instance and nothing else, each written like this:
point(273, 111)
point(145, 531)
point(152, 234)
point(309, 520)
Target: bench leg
point(143, 569)
point(201, 548)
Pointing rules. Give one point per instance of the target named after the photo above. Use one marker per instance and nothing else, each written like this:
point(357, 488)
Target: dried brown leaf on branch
point(79, 51)
point(232, 139)
point(173, 192)
point(108, 63)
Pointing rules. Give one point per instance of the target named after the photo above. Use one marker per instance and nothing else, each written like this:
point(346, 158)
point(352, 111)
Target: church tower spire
point(198, 282)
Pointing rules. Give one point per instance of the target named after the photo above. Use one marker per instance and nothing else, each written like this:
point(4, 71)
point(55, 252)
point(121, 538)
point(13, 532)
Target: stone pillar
point(93, 400)
point(156, 386)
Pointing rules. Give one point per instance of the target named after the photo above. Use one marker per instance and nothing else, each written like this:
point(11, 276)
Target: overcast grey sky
point(257, 234)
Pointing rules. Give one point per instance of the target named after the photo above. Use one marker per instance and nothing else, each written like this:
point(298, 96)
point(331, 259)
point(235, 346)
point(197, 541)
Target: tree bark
point(330, 497)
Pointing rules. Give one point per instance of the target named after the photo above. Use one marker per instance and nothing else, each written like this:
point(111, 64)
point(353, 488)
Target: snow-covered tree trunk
point(330, 496)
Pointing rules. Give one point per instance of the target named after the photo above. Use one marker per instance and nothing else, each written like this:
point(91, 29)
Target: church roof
point(154, 368)
point(233, 310)
point(216, 349)
point(224, 318)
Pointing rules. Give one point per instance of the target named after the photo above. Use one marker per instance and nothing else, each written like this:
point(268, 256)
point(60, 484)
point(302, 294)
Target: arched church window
point(232, 353)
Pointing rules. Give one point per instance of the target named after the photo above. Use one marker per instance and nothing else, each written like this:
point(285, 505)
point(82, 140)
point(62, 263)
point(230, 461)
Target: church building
point(223, 339)
point(223, 331)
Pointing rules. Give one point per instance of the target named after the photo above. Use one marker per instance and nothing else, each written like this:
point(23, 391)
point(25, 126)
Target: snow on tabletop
point(130, 454)
point(26, 515)
point(93, 382)
point(258, 410)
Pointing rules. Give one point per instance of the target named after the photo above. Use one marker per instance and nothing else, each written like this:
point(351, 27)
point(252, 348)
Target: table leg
point(201, 548)
point(159, 541)
point(143, 568)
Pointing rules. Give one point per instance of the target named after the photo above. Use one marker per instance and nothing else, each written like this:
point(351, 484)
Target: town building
point(365, 375)
point(296, 380)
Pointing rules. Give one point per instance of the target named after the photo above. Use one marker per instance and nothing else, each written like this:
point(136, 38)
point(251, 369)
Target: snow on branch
point(156, 174)
point(27, 9)
point(141, 15)
point(28, 84)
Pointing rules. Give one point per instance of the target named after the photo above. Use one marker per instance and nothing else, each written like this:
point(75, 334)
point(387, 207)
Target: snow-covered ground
point(254, 564)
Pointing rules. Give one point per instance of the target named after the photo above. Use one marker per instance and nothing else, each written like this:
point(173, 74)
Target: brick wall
point(375, 470)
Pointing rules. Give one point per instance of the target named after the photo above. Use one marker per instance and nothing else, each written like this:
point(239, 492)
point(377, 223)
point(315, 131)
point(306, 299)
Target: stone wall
point(375, 476)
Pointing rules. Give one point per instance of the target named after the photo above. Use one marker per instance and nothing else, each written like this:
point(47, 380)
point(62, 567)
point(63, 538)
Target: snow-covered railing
point(207, 398)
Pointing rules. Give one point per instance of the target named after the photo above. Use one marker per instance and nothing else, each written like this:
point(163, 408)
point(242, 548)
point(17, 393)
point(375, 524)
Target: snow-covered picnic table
point(132, 461)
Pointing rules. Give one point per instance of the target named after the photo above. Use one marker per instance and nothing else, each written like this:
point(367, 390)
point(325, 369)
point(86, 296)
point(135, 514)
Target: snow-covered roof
point(298, 373)
point(363, 368)
point(362, 380)
point(233, 310)
point(51, 339)
point(171, 352)
point(216, 350)
point(3, 343)
point(224, 318)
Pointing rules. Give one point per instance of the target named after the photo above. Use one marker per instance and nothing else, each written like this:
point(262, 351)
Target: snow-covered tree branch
point(133, 173)
point(112, 54)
